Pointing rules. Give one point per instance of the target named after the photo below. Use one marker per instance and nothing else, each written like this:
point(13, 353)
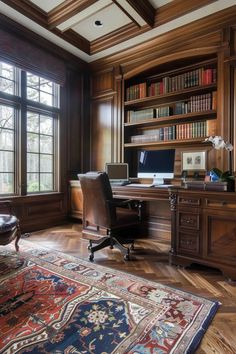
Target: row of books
point(137, 116)
point(136, 91)
point(198, 103)
point(198, 77)
point(174, 132)
point(205, 102)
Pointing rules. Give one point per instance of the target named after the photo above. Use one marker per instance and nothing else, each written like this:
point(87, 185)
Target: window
point(7, 149)
point(7, 78)
point(29, 115)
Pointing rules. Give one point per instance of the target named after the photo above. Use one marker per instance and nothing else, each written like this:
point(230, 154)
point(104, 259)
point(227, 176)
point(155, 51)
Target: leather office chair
point(9, 225)
point(106, 221)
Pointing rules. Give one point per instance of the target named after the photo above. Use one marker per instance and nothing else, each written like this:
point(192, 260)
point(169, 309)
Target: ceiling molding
point(145, 10)
point(128, 36)
point(19, 30)
point(116, 37)
point(75, 39)
point(165, 14)
point(178, 8)
point(28, 9)
point(126, 12)
point(67, 9)
point(171, 40)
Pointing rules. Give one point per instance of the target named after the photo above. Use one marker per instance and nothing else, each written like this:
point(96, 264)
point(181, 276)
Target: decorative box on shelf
point(210, 186)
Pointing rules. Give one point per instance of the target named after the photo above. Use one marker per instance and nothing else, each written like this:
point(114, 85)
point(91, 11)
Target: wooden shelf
point(178, 118)
point(191, 141)
point(168, 97)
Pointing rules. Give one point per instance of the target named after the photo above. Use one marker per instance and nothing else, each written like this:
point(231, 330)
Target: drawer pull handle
point(224, 202)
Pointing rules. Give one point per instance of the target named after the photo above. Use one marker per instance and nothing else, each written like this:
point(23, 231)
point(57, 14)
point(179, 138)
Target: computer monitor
point(117, 172)
point(156, 164)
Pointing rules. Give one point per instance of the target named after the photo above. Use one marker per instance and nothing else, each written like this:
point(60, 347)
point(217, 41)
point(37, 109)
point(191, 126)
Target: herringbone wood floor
point(150, 261)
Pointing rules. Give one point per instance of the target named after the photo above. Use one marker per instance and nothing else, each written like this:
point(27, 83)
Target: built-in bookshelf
point(173, 107)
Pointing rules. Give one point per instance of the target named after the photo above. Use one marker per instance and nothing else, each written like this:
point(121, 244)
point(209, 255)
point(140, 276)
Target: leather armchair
point(9, 225)
point(106, 220)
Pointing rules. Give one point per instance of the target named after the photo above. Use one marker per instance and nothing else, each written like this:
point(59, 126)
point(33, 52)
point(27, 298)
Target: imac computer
point(118, 173)
point(156, 164)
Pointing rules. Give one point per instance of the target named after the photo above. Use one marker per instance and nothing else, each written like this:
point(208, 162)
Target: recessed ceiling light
point(98, 23)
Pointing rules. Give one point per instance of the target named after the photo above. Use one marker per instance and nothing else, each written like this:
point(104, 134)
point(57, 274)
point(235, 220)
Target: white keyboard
point(164, 185)
point(145, 185)
point(141, 185)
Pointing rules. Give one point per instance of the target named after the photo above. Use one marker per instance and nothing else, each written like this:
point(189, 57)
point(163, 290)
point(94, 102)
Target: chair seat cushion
point(7, 222)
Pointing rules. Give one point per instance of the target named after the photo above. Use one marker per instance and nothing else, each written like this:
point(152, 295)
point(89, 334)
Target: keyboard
point(164, 185)
point(145, 185)
point(141, 185)
point(120, 183)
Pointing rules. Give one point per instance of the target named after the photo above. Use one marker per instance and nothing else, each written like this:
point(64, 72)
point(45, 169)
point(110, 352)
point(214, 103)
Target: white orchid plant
point(219, 143)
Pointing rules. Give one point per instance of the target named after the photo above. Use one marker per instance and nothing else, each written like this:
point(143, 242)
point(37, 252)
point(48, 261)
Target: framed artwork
point(194, 161)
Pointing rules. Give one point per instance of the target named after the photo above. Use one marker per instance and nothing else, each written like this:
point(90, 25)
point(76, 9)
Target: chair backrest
point(97, 193)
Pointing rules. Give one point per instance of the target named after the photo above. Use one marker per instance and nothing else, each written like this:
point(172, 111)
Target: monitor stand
point(157, 181)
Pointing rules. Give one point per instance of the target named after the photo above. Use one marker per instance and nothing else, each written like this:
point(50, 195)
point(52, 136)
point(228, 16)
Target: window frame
point(22, 105)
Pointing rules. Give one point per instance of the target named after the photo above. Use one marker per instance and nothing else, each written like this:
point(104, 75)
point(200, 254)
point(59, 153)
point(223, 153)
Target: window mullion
point(23, 137)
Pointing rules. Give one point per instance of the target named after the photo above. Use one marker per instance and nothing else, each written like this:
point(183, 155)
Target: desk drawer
point(223, 203)
point(189, 201)
point(189, 220)
point(188, 243)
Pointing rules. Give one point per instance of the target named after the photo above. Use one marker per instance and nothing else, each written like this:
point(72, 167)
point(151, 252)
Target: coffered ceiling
point(93, 29)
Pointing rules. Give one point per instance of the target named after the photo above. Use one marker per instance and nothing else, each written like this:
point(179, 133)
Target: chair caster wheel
point(126, 257)
point(91, 257)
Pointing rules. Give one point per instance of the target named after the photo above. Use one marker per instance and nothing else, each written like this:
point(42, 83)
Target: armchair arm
point(130, 203)
point(120, 203)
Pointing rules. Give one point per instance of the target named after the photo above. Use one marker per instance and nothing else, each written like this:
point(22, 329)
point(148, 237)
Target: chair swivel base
point(112, 242)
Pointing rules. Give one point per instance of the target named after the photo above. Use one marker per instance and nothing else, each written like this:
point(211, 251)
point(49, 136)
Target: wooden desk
point(199, 226)
point(156, 212)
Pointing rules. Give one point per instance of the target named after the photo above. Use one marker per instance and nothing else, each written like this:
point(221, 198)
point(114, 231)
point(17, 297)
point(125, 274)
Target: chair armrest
point(130, 203)
point(120, 203)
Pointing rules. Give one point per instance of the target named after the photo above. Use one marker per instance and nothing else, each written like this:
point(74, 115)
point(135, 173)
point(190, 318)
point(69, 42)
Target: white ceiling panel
point(111, 17)
point(47, 5)
point(89, 11)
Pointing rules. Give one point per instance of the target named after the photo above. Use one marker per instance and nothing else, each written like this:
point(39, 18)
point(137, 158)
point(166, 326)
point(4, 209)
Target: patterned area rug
point(54, 303)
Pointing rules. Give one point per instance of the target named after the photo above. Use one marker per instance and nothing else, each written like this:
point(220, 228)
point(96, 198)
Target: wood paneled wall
point(105, 120)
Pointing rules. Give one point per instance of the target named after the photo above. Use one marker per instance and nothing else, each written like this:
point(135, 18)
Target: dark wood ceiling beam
point(144, 9)
point(178, 8)
point(24, 33)
point(67, 9)
point(118, 36)
point(74, 38)
point(29, 9)
point(165, 14)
